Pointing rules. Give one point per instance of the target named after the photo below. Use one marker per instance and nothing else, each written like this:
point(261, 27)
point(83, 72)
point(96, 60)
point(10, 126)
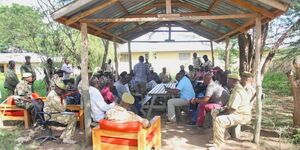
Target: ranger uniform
point(165, 77)
point(56, 103)
point(23, 91)
point(11, 81)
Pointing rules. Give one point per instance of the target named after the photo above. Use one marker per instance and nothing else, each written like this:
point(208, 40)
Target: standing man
point(56, 103)
point(196, 61)
point(192, 73)
point(207, 62)
point(49, 72)
point(109, 67)
point(153, 76)
point(164, 76)
point(148, 64)
point(27, 68)
point(141, 72)
point(186, 91)
point(11, 79)
point(236, 112)
point(23, 92)
point(67, 68)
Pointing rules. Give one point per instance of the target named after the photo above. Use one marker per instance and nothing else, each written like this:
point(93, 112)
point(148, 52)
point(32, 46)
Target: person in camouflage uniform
point(164, 77)
point(11, 79)
point(27, 68)
point(49, 72)
point(56, 103)
point(23, 92)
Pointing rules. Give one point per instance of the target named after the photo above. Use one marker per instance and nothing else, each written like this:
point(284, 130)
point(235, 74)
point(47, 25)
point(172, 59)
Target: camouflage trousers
point(70, 121)
point(23, 104)
point(222, 122)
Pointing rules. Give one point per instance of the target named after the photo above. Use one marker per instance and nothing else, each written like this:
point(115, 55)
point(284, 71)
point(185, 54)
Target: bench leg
point(151, 107)
point(26, 119)
point(81, 119)
point(235, 131)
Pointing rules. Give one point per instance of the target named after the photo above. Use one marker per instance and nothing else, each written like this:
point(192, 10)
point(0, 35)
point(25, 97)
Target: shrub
point(277, 83)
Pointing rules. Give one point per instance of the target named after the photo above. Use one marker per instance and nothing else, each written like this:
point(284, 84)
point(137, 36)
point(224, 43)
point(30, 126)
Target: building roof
point(165, 47)
point(125, 20)
point(20, 57)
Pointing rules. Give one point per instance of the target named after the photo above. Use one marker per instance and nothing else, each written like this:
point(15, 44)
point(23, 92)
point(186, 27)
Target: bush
point(277, 83)
point(296, 136)
point(7, 139)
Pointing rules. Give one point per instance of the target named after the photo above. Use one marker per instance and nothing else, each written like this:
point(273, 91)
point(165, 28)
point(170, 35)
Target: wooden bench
point(80, 116)
point(9, 108)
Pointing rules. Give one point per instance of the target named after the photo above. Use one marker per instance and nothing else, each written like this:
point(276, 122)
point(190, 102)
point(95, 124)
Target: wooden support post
point(116, 62)
point(227, 50)
point(258, 42)
point(129, 55)
point(212, 53)
point(170, 32)
point(168, 7)
point(85, 85)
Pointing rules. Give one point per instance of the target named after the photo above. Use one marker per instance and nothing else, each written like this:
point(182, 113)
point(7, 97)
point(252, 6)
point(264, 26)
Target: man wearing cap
point(11, 79)
point(98, 104)
point(49, 72)
point(164, 76)
point(246, 82)
point(120, 113)
point(237, 111)
point(27, 68)
point(23, 92)
point(56, 78)
point(56, 103)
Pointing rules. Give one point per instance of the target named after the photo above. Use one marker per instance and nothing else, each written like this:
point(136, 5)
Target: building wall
point(170, 60)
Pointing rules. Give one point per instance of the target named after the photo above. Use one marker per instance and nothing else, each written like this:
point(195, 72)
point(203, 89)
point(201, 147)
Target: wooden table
point(156, 92)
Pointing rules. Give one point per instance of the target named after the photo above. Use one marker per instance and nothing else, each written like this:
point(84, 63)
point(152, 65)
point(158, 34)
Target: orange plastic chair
point(127, 136)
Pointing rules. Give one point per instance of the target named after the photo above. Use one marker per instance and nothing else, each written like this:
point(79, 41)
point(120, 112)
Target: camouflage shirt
point(54, 103)
point(165, 77)
point(27, 68)
point(11, 79)
point(23, 89)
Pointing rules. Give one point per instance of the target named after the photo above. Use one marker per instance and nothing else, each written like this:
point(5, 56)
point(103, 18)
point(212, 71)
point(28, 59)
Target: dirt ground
point(182, 137)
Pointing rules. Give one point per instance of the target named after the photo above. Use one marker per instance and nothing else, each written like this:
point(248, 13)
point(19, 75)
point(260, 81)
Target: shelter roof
point(125, 20)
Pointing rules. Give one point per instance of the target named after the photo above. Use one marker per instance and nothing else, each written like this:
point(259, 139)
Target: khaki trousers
point(172, 103)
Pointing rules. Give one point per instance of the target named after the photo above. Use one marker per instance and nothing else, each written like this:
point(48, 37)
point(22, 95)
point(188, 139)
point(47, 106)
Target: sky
point(21, 2)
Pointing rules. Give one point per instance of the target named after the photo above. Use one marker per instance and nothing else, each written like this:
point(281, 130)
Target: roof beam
point(252, 7)
point(197, 25)
point(213, 5)
point(184, 18)
point(122, 8)
point(90, 11)
point(168, 7)
point(134, 28)
point(227, 23)
point(105, 32)
point(275, 4)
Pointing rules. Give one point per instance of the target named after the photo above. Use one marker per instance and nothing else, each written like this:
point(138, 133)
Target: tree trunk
point(271, 54)
point(295, 84)
point(245, 45)
point(106, 45)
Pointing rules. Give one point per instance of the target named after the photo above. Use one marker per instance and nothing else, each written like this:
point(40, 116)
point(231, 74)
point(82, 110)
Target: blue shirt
point(141, 71)
point(186, 88)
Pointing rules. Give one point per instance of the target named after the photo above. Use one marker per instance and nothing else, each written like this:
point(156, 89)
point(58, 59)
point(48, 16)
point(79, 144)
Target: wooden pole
point(168, 7)
point(85, 85)
point(212, 53)
point(227, 50)
point(129, 55)
point(116, 61)
point(258, 43)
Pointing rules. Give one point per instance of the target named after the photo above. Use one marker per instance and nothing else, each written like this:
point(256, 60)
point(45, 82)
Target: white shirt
point(98, 105)
point(109, 68)
point(68, 70)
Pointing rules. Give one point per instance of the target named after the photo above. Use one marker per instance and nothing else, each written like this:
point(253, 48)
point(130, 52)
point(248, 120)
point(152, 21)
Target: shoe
point(69, 141)
point(171, 123)
point(213, 148)
point(210, 145)
point(192, 123)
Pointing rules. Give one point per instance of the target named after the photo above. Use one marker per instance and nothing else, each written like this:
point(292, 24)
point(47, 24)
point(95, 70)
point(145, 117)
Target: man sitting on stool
point(119, 113)
point(23, 92)
point(56, 103)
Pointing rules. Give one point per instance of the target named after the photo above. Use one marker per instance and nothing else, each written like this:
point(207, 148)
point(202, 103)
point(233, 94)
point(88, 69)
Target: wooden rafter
point(105, 32)
point(197, 25)
point(276, 4)
point(193, 8)
point(252, 7)
point(213, 5)
point(89, 12)
point(134, 28)
point(122, 8)
point(168, 7)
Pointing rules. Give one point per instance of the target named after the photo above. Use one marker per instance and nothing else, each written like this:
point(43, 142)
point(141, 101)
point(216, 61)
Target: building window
point(1, 68)
point(184, 56)
point(124, 58)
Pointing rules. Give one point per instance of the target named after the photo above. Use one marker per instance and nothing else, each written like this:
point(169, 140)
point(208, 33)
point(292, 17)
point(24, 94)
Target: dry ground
point(182, 137)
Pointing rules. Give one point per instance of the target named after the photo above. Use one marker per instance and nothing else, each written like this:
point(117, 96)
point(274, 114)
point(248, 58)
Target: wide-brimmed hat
point(26, 75)
point(61, 85)
point(247, 74)
point(127, 98)
point(234, 76)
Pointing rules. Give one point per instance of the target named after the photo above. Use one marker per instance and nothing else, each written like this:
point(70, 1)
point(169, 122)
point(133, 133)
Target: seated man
point(211, 100)
point(237, 111)
point(55, 103)
point(186, 91)
point(164, 76)
point(153, 76)
point(98, 105)
point(120, 113)
point(23, 92)
point(246, 82)
point(121, 84)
